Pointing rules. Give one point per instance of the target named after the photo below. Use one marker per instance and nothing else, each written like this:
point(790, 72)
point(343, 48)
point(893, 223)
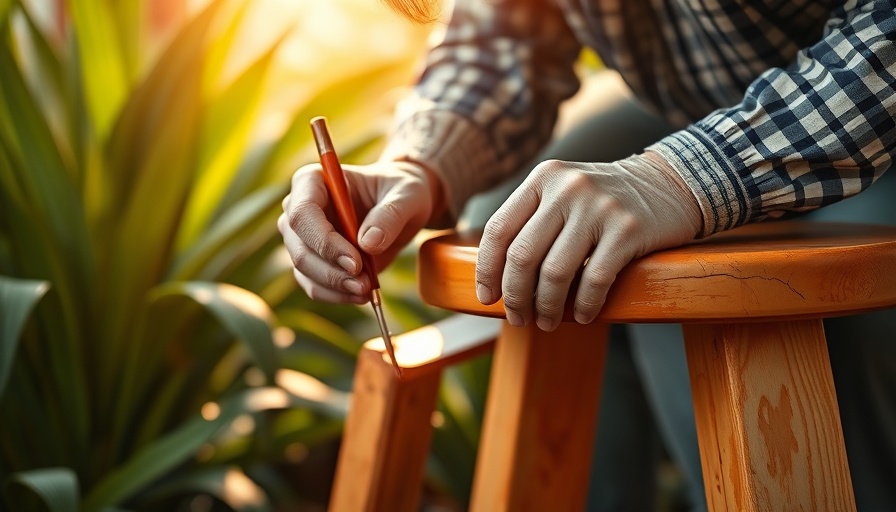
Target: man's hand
point(394, 199)
point(568, 212)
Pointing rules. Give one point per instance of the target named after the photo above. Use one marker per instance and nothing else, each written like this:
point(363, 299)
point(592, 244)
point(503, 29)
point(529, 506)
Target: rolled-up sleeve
point(488, 98)
point(819, 131)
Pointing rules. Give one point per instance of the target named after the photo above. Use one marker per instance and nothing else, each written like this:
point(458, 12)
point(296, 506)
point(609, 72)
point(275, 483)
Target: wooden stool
point(751, 301)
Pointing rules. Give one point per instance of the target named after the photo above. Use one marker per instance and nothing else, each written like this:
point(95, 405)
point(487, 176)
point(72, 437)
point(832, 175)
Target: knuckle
point(514, 300)
point(334, 278)
point(327, 247)
point(496, 227)
point(299, 258)
point(629, 224)
point(521, 253)
point(554, 273)
point(304, 172)
point(549, 307)
point(283, 223)
point(595, 286)
point(611, 205)
point(314, 291)
point(578, 181)
point(299, 211)
point(392, 212)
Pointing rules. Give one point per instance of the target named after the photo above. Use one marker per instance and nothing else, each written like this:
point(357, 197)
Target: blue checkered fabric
point(783, 105)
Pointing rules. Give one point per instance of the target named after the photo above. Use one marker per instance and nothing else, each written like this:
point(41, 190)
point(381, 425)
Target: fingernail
point(584, 318)
point(514, 318)
point(373, 238)
point(483, 293)
point(354, 286)
point(545, 324)
point(348, 264)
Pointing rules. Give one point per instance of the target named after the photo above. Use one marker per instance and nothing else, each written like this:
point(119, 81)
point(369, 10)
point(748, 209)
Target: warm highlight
point(419, 11)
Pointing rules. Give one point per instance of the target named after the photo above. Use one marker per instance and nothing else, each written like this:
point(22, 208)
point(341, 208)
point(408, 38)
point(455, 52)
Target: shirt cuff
point(451, 146)
point(712, 178)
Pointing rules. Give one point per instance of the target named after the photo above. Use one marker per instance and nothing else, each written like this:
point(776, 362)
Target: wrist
point(432, 181)
point(674, 185)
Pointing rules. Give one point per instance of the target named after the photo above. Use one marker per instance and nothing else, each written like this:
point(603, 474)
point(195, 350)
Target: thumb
point(390, 217)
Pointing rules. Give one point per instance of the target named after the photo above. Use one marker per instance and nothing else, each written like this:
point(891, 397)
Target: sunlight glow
point(284, 337)
point(210, 411)
point(243, 425)
point(414, 348)
point(307, 387)
point(254, 377)
point(267, 398)
point(240, 491)
point(245, 301)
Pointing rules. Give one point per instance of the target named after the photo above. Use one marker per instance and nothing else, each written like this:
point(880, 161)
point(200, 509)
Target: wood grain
point(386, 439)
point(388, 430)
point(541, 412)
point(767, 417)
point(784, 270)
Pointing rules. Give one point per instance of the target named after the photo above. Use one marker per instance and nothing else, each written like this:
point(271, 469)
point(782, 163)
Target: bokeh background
point(155, 352)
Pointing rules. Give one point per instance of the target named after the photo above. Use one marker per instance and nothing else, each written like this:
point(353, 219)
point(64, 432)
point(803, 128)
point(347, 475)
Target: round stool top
point(787, 269)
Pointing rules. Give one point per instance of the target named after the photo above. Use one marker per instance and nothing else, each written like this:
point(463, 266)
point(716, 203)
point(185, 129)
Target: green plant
point(137, 221)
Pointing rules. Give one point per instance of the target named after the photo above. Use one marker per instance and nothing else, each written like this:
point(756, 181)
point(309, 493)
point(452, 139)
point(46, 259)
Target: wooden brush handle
point(337, 186)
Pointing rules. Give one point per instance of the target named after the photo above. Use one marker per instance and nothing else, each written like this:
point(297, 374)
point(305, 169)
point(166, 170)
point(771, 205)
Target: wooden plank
point(538, 432)
point(727, 275)
point(444, 343)
point(386, 439)
point(767, 418)
point(388, 430)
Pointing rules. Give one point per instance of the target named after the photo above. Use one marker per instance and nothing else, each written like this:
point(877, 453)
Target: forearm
point(803, 137)
point(488, 98)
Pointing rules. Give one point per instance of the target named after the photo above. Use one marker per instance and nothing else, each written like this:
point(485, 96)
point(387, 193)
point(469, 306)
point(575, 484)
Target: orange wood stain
point(761, 271)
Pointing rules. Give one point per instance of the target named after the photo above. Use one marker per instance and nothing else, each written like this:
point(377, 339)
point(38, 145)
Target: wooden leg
point(538, 432)
point(767, 418)
point(386, 439)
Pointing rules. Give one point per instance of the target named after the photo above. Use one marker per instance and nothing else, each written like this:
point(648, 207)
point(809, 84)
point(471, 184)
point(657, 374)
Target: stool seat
point(773, 270)
point(751, 301)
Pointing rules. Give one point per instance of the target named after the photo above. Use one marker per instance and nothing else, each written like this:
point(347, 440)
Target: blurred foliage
point(153, 345)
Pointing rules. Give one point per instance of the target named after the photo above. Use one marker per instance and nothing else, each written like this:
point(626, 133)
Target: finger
point(524, 261)
point(321, 272)
point(320, 293)
point(608, 259)
point(558, 269)
point(402, 205)
point(500, 230)
point(306, 217)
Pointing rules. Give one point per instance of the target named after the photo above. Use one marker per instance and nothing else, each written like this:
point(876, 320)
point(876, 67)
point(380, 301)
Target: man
point(773, 108)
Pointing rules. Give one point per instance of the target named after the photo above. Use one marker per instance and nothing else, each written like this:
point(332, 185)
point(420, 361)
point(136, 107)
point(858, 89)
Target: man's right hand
point(394, 200)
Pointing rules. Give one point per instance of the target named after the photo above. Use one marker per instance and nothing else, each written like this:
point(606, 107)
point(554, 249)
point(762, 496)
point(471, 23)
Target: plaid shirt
point(784, 105)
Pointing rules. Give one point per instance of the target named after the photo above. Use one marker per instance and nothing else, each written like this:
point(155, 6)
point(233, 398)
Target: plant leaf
point(56, 487)
point(218, 481)
point(44, 179)
point(151, 155)
point(102, 63)
point(4, 10)
point(245, 316)
point(17, 298)
point(225, 132)
point(236, 220)
point(160, 457)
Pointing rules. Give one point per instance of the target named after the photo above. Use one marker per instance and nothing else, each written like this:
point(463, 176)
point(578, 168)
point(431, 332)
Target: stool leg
point(767, 418)
point(386, 440)
point(538, 430)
